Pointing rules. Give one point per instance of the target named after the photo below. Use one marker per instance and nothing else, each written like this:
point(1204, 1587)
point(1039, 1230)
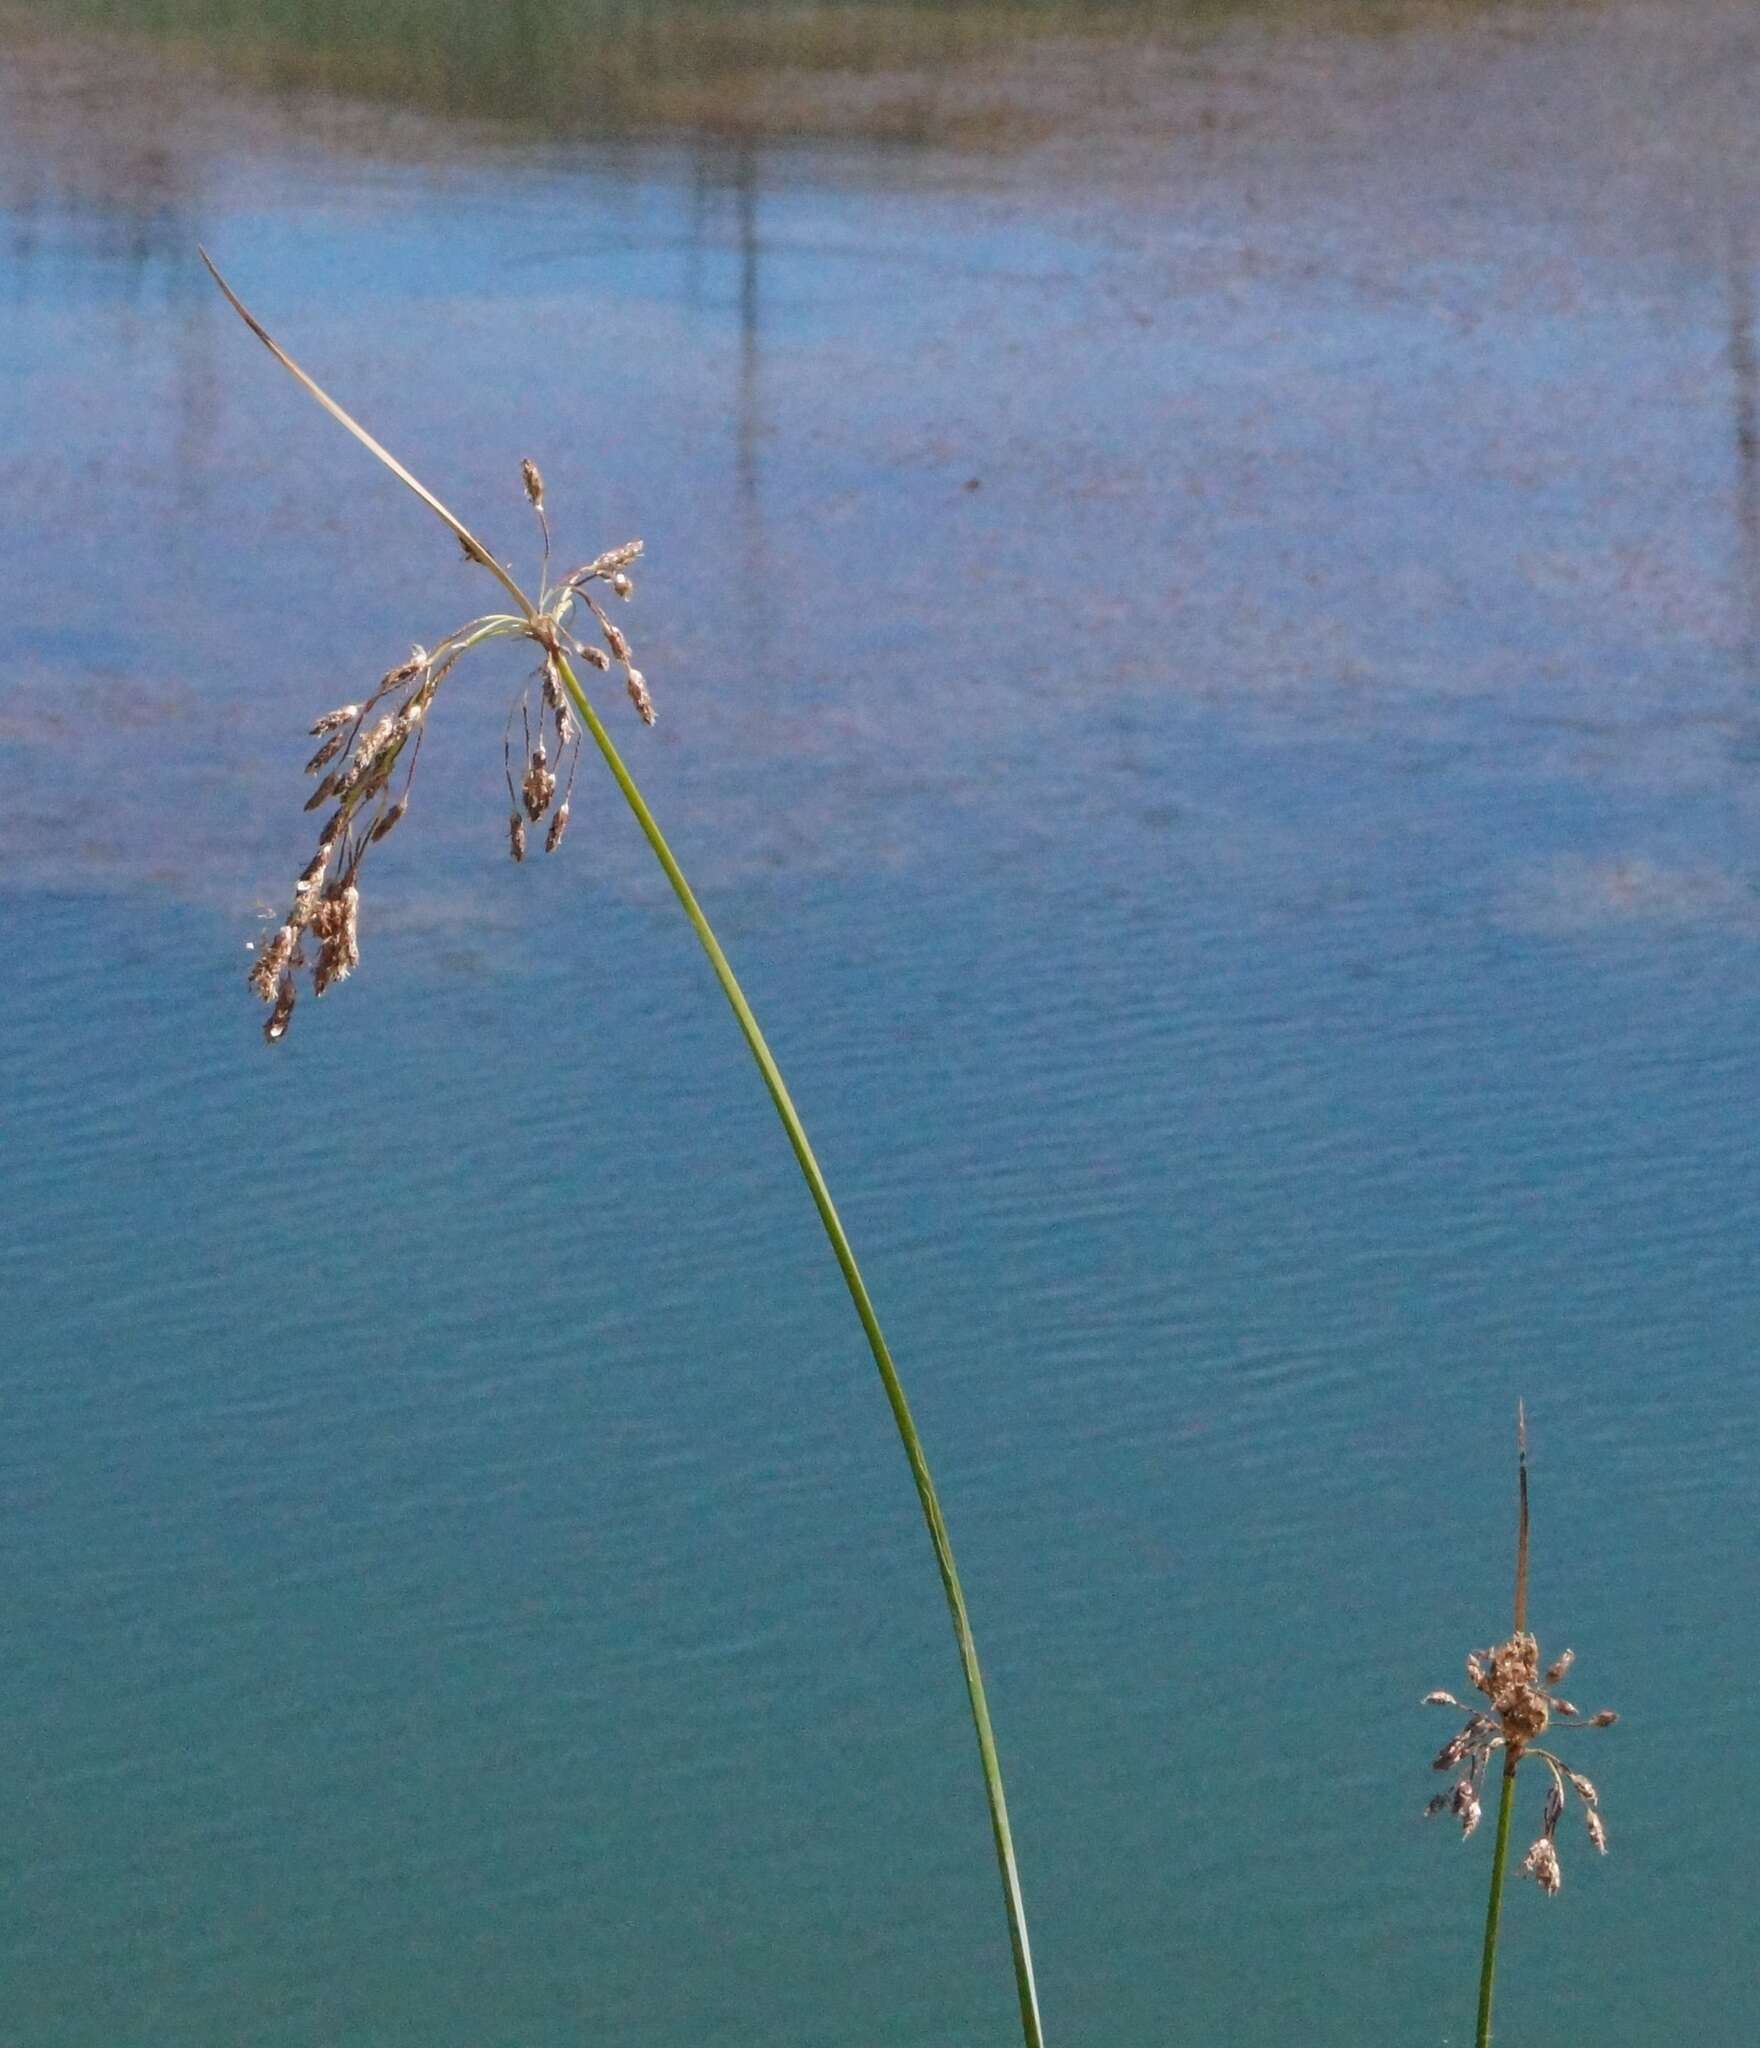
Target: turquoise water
point(1211, 688)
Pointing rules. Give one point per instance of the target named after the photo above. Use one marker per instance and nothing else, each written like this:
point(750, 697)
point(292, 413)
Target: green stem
point(1494, 1905)
point(864, 1307)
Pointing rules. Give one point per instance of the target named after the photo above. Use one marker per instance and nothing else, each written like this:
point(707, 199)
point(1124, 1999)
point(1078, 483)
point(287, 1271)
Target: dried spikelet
point(1473, 1736)
point(539, 785)
point(1476, 1670)
point(1555, 1672)
point(276, 1023)
point(395, 678)
point(327, 752)
point(552, 685)
point(344, 714)
point(1465, 1804)
point(596, 657)
point(1597, 1829)
point(1439, 1699)
point(1565, 1708)
point(349, 937)
point(565, 728)
point(266, 968)
point(1584, 1790)
point(603, 565)
point(534, 483)
point(389, 822)
point(516, 836)
point(324, 792)
point(558, 826)
point(638, 695)
point(331, 831)
point(368, 749)
point(1541, 1864)
point(1604, 1719)
point(621, 585)
point(614, 638)
point(326, 918)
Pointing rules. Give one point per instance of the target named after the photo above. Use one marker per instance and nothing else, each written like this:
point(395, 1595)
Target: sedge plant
point(366, 759)
point(1523, 1704)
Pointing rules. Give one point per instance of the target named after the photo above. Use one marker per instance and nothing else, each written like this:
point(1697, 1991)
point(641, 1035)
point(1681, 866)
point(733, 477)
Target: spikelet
point(276, 1023)
point(1541, 1864)
point(388, 824)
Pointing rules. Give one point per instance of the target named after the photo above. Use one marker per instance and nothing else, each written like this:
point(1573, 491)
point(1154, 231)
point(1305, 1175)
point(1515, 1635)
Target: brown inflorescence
point(1521, 1707)
point(364, 747)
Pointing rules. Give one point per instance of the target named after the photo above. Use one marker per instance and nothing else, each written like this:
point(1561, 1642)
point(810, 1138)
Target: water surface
point(1207, 644)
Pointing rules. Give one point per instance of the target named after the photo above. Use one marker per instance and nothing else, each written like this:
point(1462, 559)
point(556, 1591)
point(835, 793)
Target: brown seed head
point(534, 483)
point(275, 1025)
point(327, 752)
point(558, 826)
point(638, 695)
point(539, 785)
point(1541, 1864)
point(344, 714)
point(516, 836)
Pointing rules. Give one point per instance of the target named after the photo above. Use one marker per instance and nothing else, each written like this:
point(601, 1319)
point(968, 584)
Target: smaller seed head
point(275, 1025)
point(558, 826)
point(1541, 1864)
point(344, 714)
point(516, 836)
point(327, 752)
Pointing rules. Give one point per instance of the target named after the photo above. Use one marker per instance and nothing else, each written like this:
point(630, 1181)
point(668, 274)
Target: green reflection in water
point(734, 66)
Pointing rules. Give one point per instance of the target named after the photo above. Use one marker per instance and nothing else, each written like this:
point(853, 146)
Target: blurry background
point(1204, 598)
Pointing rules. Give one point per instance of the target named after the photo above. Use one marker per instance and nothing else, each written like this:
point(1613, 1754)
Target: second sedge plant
point(1524, 1703)
point(365, 760)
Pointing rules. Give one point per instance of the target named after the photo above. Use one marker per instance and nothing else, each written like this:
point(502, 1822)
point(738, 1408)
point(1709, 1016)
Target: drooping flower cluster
point(1523, 1704)
point(365, 747)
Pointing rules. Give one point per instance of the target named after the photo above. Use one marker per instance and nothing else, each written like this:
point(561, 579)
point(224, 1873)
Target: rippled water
point(1208, 668)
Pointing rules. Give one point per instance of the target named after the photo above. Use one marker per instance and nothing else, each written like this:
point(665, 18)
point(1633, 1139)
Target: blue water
point(1257, 902)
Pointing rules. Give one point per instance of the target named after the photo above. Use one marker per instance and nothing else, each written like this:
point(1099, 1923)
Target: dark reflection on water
point(1207, 668)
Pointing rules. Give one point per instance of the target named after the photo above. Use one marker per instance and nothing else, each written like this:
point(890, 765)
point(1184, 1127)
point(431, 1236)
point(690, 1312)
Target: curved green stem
point(1494, 1905)
point(864, 1307)
point(540, 627)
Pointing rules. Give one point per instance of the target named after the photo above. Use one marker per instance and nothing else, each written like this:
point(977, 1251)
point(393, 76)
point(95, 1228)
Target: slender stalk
point(797, 1137)
point(864, 1307)
point(1506, 1798)
point(1494, 1905)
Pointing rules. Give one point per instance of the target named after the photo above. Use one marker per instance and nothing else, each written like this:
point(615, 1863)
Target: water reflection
point(726, 67)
